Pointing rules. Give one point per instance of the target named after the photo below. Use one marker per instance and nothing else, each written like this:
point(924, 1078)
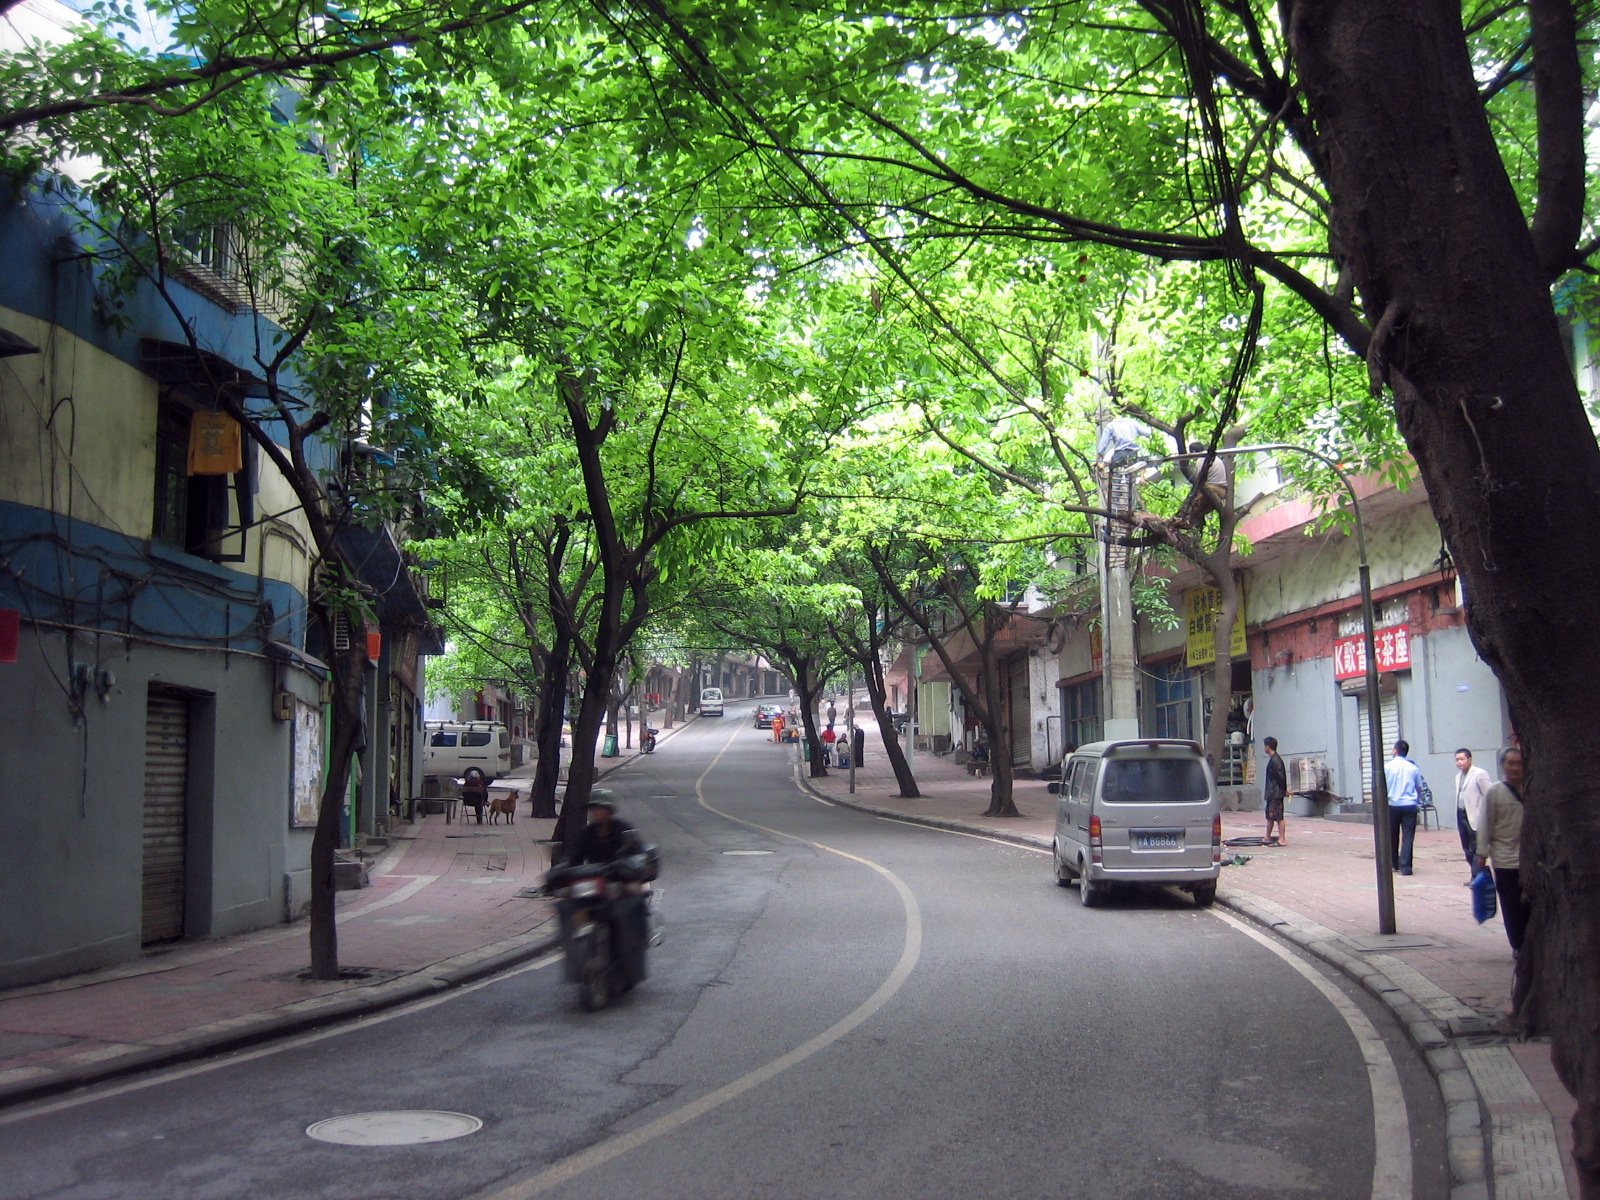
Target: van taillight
point(1216, 838)
point(1095, 843)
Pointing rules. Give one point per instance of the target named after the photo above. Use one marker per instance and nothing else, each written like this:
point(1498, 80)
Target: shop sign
point(1392, 644)
point(1201, 606)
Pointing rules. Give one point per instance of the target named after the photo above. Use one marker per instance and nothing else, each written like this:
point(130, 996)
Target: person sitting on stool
point(475, 791)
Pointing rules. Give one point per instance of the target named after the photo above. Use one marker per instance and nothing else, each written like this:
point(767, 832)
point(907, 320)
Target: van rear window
point(475, 738)
point(1154, 781)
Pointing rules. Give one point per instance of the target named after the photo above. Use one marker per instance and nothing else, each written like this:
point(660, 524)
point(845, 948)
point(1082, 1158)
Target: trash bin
point(805, 751)
point(609, 748)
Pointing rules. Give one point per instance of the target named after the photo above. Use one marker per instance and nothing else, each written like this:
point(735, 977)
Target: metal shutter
point(1020, 713)
point(1389, 722)
point(166, 771)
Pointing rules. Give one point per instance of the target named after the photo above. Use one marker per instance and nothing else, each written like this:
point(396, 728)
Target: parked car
point(453, 746)
point(765, 713)
point(1141, 811)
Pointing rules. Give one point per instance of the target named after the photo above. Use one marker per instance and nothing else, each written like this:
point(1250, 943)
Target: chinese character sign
point(1201, 607)
point(1391, 645)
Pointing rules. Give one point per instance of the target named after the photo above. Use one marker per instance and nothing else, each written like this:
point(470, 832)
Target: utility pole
point(1120, 664)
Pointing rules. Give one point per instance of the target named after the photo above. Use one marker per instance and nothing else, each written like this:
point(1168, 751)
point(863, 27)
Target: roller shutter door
point(166, 812)
point(1017, 707)
point(1389, 721)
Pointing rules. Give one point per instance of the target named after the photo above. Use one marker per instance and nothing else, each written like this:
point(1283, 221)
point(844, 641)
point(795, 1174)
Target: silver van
point(710, 702)
point(1142, 811)
point(453, 746)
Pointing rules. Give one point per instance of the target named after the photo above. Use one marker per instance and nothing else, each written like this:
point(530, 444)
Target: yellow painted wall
point(93, 456)
point(79, 430)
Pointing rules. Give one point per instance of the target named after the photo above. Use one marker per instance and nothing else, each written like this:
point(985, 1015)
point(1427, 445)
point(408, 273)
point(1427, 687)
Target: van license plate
point(1156, 841)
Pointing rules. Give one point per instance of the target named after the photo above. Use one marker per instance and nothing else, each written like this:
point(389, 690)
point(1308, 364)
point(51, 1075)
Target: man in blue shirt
point(1400, 777)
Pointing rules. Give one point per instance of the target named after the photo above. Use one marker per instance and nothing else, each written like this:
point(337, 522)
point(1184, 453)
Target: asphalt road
point(843, 1007)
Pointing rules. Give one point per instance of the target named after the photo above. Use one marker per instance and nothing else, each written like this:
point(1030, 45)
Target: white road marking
point(569, 1169)
point(1391, 1126)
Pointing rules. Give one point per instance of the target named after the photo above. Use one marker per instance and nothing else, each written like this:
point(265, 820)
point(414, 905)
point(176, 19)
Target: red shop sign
point(1393, 646)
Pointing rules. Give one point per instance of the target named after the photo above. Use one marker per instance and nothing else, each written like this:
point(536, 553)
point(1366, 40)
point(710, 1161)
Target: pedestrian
point(1273, 791)
point(859, 744)
point(833, 714)
point(777, 728)
point(1472, 785)
point(829, 737)
point(1400, 776)
point(1500, 843)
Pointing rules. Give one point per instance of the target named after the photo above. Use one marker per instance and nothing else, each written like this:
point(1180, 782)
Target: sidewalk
point(447, 904)
point(1446, 978)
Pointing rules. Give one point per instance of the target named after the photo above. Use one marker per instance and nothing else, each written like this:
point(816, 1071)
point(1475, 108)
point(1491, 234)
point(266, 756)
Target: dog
point(503, 805)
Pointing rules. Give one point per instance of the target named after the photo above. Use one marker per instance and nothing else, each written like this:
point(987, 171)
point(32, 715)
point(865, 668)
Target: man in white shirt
point(1472, 785)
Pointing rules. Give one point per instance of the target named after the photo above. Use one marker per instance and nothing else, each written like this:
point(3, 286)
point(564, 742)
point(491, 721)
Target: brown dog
point(504, 804)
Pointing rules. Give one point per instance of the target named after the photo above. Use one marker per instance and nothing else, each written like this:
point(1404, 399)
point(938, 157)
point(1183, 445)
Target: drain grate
point(398, 1127)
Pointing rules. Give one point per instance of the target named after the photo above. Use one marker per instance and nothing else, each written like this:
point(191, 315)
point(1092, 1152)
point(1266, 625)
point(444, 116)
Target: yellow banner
point(1200, 608)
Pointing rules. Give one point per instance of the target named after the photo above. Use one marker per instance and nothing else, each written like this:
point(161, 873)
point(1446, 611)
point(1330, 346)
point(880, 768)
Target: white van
point(1142, 811)
point(453, 746)
point(711, 702)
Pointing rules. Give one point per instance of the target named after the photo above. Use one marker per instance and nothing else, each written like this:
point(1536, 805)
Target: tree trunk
point(552, 704)
point(997, 729)
point(348, 668)
point(1466, 335)
point(580, 768)
point(878, 693)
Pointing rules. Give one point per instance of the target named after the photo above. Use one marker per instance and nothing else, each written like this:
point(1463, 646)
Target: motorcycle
point(648, 743)
point(608, 919)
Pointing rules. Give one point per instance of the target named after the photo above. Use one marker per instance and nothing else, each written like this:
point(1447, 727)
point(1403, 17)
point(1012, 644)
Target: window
point(1172, 700)
point(205, 515)
point(1154, 781)
point(441, 738)
point(1082, 782)
point(476, 737)
point(1080, 705)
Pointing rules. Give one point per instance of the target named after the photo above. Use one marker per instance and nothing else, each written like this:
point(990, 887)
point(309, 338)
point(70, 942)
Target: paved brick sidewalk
point(1447, 978)
point(447, 903)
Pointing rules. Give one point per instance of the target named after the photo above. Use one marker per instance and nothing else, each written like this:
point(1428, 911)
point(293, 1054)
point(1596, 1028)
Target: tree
point(945, 585)
point(865, 635)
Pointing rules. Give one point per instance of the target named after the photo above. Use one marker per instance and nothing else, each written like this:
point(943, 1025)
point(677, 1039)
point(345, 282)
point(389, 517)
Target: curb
point(253, 1029)
point(1465, 1146)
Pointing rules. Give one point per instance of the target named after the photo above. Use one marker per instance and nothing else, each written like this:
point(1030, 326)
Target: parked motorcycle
point(648, 743)
point(607, 922)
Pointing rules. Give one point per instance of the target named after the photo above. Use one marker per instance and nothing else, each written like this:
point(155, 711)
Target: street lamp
point(1380, 790)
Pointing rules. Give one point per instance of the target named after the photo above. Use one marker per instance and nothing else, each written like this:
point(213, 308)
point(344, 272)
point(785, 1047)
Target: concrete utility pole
point(1119, 661)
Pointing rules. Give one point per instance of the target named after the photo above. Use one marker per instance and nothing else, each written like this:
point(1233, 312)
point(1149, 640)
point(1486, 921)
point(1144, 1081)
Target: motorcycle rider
point(605, 839)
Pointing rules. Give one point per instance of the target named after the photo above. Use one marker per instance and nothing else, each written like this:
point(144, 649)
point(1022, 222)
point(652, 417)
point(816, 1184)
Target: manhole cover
point(1377, 943)
point(400, 1127)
